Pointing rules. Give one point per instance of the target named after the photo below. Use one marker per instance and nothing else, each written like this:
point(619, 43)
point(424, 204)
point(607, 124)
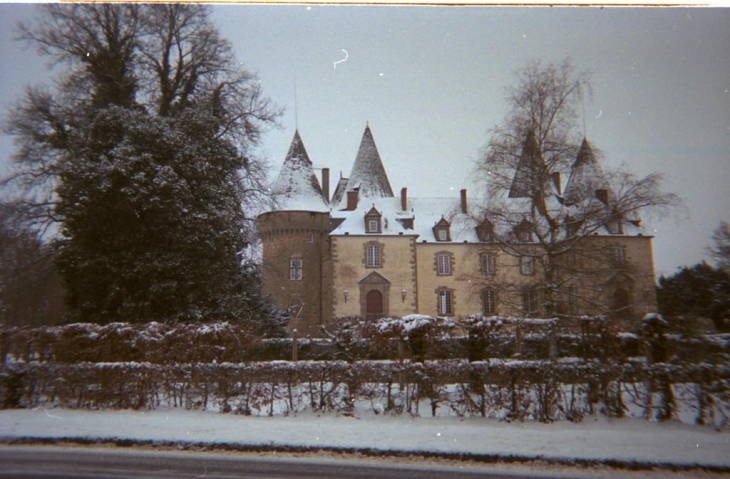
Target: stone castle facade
point(366, 252)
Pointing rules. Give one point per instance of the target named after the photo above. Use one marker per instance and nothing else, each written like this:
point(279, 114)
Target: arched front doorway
point(374, 304)
point(374, 296)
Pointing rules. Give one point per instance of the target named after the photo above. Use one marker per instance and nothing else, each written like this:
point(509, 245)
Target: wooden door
point(374, 304)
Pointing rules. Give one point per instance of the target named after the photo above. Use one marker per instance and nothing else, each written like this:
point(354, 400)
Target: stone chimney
point(326, 183)
point(602, 195)
point(404, 199)
point(464, 204)
point(352, 200)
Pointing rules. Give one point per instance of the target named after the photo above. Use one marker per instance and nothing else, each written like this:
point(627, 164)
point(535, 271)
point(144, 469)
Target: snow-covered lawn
point(594, 439)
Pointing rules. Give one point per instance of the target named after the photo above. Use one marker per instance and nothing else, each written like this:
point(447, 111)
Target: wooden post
point(294, 346)
point(552, 343)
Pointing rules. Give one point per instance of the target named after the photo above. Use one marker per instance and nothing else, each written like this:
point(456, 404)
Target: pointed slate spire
point(296, 187)
point(368, 173)
point(529, 174)
point(586, 176)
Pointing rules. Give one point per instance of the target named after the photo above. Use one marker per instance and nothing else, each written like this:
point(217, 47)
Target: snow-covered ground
point(595, 439)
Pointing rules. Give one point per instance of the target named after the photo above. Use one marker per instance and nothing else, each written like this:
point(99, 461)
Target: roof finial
point(583, 101)
point(296, 108)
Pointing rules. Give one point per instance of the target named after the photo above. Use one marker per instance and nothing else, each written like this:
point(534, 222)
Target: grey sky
point(430, 80)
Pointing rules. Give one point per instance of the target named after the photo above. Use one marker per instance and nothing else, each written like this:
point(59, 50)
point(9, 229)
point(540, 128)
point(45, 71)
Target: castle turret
point(586, 176)
point(529, 175)
point(295, 242)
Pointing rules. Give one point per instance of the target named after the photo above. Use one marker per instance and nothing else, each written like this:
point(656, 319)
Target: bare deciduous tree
point(720, 249)
point(553, 229)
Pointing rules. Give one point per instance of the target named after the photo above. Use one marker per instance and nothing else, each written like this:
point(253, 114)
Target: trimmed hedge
point(511, 390)
point(234, 342)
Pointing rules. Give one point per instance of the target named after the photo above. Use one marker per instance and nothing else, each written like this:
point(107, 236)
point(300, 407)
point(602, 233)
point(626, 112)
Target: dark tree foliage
point(699, 291)
point(30, 290)
point(141, 156)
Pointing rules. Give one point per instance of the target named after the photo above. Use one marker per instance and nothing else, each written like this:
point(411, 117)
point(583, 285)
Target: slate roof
point(586, 176)
point(297, 188)
point(530, 171)
point(368, 174)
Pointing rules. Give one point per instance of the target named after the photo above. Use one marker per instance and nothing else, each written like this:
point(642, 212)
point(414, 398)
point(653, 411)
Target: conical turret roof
point(296, 187)
point(368, 173)
point(586, 176)
point(530, 175)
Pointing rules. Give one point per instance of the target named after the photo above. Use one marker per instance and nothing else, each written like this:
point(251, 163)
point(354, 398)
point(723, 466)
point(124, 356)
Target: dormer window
point(524, 232)
point(485, 232)
point(373, 221)
point(614, 226)
point(524, 236)
point(442, 230)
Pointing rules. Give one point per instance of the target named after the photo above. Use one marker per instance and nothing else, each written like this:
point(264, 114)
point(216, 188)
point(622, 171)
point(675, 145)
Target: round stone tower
point(295, 239)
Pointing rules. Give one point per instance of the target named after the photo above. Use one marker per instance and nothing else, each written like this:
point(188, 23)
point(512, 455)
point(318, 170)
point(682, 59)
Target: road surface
point(46, 462)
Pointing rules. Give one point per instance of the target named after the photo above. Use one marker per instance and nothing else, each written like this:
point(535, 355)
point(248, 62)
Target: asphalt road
point(56, 462)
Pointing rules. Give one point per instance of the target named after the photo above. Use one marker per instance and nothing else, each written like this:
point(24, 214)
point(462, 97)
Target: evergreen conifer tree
point(142, 156)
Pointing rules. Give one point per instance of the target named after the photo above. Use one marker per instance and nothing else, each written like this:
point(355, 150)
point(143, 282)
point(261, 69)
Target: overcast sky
point(431, 80)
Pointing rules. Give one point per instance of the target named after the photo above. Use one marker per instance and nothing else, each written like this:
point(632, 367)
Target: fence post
point(552, 343)
point(294, 346)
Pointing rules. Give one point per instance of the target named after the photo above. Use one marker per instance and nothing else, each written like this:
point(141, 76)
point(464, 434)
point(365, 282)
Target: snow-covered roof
point(424, 213)
point(586, 176)
point(339, 190)
point(368, 174)
point(296, 187)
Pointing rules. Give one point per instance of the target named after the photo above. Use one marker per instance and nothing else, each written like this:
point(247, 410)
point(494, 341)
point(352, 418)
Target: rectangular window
point(527, 265)
point(444, 264)
point(529, 300)
point(444, 302)
point(443, 235)
point(295, 271)
point(487, 264)
point(617, 255)
point(373, 226)
point(489, 302)
point(373, 256)
point(311, 237)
